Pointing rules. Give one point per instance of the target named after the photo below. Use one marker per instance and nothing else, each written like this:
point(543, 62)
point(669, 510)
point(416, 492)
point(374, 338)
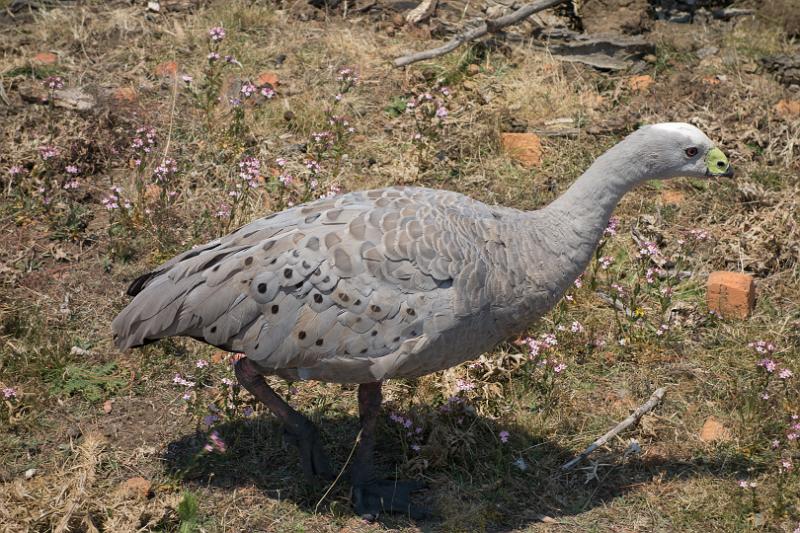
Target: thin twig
point(171, 115)
point(335, 481)
point(487, 26)
point(648, 406)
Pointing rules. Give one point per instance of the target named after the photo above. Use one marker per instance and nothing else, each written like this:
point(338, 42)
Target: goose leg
point(298, 429)
point(373, 496)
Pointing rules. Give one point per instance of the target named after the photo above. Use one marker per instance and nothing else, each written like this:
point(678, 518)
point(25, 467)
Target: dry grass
point(63, 268)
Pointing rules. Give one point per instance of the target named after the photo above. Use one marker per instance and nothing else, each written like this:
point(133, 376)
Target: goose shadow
point(473, 480)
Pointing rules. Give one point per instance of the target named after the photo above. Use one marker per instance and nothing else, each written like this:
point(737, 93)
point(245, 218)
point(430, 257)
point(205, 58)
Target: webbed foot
point(386, 496)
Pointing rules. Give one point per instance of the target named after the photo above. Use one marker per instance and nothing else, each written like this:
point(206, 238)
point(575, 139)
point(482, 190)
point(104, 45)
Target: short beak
point(716, 162)
point(728, 173)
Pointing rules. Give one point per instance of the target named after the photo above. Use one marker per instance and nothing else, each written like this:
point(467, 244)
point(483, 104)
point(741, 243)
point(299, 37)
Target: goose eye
point(691, 152)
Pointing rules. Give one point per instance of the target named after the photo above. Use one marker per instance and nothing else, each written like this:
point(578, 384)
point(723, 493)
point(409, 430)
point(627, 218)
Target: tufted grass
point(64, 267)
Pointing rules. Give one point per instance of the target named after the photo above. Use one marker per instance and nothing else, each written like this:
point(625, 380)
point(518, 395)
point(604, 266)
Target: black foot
point(313, 458)
point(386, 496)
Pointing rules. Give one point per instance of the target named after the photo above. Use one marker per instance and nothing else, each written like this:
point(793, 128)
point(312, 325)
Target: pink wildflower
point(54, 82)
point(768, 364)
point(9, 392)
point(217, 33)
point(504, 436)
point(785, 373)
point(201, 363)
point(606, 262)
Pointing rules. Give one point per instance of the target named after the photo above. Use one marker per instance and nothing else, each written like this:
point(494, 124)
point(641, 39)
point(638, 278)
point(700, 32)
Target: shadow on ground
point(474, 482)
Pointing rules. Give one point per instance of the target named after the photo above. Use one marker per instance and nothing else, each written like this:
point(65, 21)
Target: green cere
point(716, 161)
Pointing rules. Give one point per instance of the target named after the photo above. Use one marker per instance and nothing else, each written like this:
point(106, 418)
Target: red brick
point(731, 294)
point(45, 58)
point(267, 78)
point(523, 147)
point(167, 68)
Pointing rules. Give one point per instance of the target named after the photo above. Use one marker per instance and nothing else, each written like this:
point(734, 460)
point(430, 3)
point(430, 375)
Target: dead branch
point(648, 406)
point(487, 26)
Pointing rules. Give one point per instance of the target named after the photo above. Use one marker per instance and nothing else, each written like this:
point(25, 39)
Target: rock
point(787, 108)
point(473, 69)
point(135, 487)
point(785, 67)
point(626, 16)
point(604, 52)
point(124, 95)
point(107, 406)
point(731, 294)
point(526, 148)
point(29, 473)
point(267, 78)
point(714, 431)
point(74, 98)
point(707, 51)
point(640, 83)
point(166, 69)
point(420, 13)
point(45, 58)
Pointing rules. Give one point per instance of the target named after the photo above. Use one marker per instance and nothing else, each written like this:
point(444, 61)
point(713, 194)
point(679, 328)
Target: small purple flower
point(213, 57)
point(187, 79)
point(504, 436)
point(217, 441)
point(248, 89)
point(785, 373)
point(71, 169)
point(606, 261)
point(9, 392)
point(248, 412)
point(267, 93)
point(441, 112)
point(217, 33)
point(611, 229)
point(201, 363)
point(560, 367)
point(48, 152)
point(768, 364)
point(54, 83)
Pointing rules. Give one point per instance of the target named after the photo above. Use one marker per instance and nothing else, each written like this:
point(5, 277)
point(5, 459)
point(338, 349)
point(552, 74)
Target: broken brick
point(731, 294)
point(526, 148)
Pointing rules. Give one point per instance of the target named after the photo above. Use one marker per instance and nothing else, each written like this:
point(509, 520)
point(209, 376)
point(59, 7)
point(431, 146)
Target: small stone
point(107, 407)
point(125, 94)
point(135, 487)
point(640, 83)
point(714, 431)
point(650, 58)
point(29, 473)
point(473, 69)
point(731, 294)
point(398, 20)
point(787, 108)
point(288, 116)
point(166, 69)
point(267, 78)
point(526, 148)
point(45, 58)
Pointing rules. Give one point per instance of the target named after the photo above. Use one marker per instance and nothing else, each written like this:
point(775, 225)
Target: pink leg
point(299, 429)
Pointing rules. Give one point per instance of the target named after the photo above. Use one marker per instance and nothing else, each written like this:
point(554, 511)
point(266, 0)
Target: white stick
point(648, 406)
point(488, 26)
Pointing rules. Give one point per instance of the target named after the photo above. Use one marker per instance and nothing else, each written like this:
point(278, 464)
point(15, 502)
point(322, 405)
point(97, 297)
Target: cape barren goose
point(395, 282)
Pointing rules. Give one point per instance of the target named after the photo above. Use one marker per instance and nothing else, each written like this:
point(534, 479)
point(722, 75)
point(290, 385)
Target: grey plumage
point(395, 282)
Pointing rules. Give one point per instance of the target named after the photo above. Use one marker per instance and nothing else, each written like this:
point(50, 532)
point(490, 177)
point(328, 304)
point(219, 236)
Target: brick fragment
point(731, 294)
point(526, 148)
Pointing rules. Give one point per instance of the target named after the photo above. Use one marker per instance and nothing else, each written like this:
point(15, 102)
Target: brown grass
point(62, 283)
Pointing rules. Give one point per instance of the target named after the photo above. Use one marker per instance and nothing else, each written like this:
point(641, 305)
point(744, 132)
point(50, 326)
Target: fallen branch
point(654, 400)
point(616, 303)
point(487, 26)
